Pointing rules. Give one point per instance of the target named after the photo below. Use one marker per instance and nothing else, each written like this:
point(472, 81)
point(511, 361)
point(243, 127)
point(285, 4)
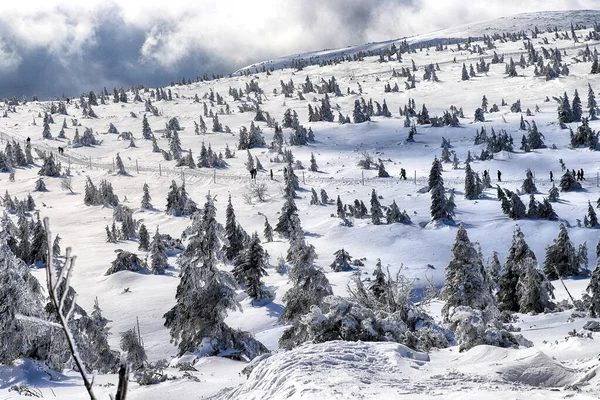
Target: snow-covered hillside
point(558, 365)
point(525, 22)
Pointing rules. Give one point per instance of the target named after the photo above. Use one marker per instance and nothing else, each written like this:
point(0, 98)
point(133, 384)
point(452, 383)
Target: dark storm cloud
point(112, 59)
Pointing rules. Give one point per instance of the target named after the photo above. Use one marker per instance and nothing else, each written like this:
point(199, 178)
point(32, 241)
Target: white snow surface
point(558, 366)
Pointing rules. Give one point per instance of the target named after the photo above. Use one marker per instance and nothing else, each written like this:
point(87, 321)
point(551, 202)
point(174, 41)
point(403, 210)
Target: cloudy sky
point(62, 46)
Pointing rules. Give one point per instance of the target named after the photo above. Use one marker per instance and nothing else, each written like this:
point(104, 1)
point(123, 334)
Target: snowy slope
point(374, 370)
point(455, 34)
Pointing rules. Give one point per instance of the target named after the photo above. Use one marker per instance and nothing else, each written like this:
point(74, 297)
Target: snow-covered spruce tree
point(175, 145)
point(553, 193)
point(435, 174)
point(250, 267)
point(46, 132)
point(376, 213)
point(565, 114)
point(592, 219)
point(268, 231)
point(324, 197)
point(534, 137)
point(493, 268)
point(284, 225)
point(310, 286)
point(313, 163)
point(533, 289)
point(126, 261)
point(145, 204)
point(39, 243)
point(158, 256)
point(128, 225)
point(131, 344)
point(519, 254)
point(440, 210)
point(472, 189)
point(91, 335)
point(40, 186)
point(562, 259)
point(591, 104)
point(470, 309)
point(465, 283)
point(20, 294)
point(144, 238)
point(576, 108)
point(381, 172)
point(593, 287)
point(120, 166)
point(528, 183)
point(378, 286)
point(233, 233)
point(464, 73)
point(314, 198)
point(146, 130)
point(204, 295)
point(394, 215)
point(50, 167)
point(342, 261)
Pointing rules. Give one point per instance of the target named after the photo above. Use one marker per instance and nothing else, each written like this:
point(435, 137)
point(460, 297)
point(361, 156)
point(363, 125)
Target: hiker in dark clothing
point(402, 173)
point(581, 174)
point(28, 140)
point(253, 173)
point(271, 174)
point(499, 176)
point(551, 177)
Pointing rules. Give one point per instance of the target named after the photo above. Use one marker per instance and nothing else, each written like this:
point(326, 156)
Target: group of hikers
point(579, 175)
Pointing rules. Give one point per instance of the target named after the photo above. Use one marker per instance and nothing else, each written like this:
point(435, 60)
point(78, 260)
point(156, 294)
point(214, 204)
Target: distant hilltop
point(543, 20)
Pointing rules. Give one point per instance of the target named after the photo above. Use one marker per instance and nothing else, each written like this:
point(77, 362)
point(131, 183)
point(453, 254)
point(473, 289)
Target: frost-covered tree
point(313, 163)
point(561, 257)
point(593, 287)
point(568, 182)
point(324, 197)
point(435, 174)
point(146, 130)
point(533, 289)
point(233, 233)
point(464, 73)
point(465, 283)
point(576, 108)
point(158, 256)
point(145, 204)
point(314, 198)
point(378, 285)
point(120, 166)
point(591, 104)
point(519, 254)
point(342, 261)
point(529, 184)
point(473, 187)
point(553, 193)
point(20, 294)
point(131, 344)
point(205, 294)
point(250, 266)
point(381, 172)
point(144, 238)
point(376, 213)
point(591, 219)
point(50, 167)
point(268, 231)
point(284, 224)
point(534, 137)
